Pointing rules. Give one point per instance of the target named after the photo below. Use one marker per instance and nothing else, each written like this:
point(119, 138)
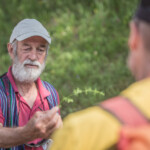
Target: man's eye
point(41, 50)
point(27, 49)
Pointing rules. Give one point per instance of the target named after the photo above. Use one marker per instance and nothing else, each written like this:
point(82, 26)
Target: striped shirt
point(25, 112)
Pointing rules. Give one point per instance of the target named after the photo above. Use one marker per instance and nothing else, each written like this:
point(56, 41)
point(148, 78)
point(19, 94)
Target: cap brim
point(27, 35)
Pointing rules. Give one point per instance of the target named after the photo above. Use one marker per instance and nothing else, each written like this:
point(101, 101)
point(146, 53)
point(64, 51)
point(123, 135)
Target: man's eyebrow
point(25, 44)
point(43, 45)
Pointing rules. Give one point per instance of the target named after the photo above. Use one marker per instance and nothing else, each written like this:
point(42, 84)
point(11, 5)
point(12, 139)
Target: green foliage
point(89, 45)
point(78, 91)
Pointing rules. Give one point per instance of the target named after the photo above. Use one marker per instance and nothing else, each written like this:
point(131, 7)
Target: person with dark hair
point(28, 105)
point(99, 127)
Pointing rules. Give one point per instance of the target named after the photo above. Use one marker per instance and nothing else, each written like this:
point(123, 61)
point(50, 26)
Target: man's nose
point(33, 55)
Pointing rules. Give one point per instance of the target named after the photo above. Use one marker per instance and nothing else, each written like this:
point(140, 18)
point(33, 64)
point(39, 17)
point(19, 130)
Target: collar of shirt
point(43, 91)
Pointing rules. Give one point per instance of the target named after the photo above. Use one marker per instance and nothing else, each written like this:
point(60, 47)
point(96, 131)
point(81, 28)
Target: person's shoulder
point(85, 113)
point(92, 115)
point(138, 87)
point(3, 81)
point(47, 85)
point(3, 95)
point(138, 94)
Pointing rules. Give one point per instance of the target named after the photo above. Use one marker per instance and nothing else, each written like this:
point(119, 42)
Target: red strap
point(124, 111)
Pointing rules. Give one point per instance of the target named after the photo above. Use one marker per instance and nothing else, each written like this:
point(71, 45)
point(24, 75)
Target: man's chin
point(28, 75)
point(27, 80)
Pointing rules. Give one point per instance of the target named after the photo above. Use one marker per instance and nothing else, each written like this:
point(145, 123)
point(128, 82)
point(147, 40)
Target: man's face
point(33, 48)
point(29, 59)
point(132, 63)
point(137, 54)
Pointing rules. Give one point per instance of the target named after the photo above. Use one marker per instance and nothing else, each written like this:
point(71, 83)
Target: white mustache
point(29, 62)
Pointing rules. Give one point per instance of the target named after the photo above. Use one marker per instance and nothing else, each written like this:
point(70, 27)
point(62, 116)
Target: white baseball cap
point(28, 28)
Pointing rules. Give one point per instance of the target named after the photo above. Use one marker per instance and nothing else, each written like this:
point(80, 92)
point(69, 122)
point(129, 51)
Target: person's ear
point(134, 37)
point(10, 50)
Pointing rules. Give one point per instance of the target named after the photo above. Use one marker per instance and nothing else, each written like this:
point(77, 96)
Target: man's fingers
point(137, 145)
point(59, 123)
point(1, 125)
point(54, 124)
point(138, 137)
point(49, 114)
point(54, 110)
point(134, 132)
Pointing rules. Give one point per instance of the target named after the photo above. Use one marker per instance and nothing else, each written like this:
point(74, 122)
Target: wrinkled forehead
point(35, 39)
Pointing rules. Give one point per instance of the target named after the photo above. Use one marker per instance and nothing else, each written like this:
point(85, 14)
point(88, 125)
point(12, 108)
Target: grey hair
point(14, 46)
point(47, 48)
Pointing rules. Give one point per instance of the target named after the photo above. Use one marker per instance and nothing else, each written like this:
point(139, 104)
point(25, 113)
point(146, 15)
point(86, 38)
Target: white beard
point(25, 74)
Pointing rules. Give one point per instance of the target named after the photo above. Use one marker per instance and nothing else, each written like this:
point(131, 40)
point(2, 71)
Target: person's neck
point(143, 71)
point(28, 91)
point(25, 88)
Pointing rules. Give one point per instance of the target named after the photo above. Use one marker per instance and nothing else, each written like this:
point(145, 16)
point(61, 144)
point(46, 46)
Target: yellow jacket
point(95, 128)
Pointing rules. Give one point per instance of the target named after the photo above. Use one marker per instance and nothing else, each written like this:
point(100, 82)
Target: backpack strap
point(125, 111)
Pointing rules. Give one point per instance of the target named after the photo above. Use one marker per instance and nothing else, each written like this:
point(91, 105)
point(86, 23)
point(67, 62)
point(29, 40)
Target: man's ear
point(134, 37)
point(10, 50)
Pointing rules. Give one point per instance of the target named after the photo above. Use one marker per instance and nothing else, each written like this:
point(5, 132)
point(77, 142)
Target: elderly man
point(98, 128)
point(28, 115)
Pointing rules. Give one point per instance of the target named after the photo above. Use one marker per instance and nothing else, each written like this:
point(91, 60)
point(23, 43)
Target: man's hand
point(138, 138)
point(42, 124)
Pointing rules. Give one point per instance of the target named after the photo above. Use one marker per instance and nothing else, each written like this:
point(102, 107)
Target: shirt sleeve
point(90, 129)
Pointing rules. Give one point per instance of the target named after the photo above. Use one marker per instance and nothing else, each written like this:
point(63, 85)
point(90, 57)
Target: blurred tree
point(89, 44)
